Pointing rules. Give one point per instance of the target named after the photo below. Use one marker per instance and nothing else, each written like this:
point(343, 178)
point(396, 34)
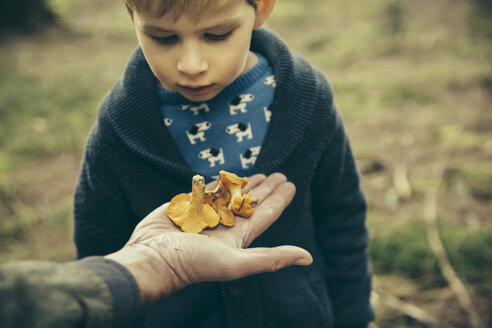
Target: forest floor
point(412, 80)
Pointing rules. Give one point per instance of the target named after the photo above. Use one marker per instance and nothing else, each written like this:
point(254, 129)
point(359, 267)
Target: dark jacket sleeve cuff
point(121, 284)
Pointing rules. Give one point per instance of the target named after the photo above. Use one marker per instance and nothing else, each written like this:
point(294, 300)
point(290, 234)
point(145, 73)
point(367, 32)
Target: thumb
point(258, 260)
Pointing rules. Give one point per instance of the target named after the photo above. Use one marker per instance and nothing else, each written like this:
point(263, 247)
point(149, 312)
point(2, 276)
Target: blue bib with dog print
point(226, 132)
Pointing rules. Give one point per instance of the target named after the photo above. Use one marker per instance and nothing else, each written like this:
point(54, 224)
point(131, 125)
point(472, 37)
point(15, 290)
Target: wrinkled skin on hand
point(163, 259)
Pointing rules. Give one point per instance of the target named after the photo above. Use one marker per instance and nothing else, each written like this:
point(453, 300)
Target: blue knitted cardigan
point(131, 166)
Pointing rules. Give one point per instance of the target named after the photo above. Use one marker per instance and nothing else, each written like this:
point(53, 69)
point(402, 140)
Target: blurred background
point(412, 79)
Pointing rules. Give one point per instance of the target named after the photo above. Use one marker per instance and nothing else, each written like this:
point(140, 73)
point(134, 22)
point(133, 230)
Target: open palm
point(215, 254)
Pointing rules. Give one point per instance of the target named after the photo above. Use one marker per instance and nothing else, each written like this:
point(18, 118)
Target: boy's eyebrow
point(228, 23)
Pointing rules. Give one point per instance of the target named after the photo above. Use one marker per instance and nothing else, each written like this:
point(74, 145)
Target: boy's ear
point(264, 10)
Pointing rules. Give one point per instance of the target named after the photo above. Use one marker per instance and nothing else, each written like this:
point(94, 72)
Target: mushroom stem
point(197, 191)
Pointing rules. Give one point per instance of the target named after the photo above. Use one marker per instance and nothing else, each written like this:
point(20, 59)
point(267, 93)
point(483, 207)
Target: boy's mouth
point(196, 89)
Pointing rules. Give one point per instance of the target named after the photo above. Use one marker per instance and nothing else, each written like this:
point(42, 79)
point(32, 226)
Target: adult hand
point(163, 259)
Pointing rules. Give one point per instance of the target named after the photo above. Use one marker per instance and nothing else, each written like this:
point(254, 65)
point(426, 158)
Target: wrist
point(153, 276)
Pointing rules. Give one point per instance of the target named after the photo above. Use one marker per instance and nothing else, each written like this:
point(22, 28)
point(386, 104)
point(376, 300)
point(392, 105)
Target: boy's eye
point(168, 40)
point(217, 37)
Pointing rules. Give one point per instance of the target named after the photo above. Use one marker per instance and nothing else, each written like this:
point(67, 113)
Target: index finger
point(263, 190)
point(270, 209)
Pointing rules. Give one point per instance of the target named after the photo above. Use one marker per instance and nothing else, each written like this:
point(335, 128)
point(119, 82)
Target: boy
point(209, 90)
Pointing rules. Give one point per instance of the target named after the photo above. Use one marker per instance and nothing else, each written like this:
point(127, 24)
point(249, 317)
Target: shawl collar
point(131, 110)
point(294, 102)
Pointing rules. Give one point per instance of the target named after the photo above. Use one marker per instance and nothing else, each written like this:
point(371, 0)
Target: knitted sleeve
point(339, 211)
point(103, 220)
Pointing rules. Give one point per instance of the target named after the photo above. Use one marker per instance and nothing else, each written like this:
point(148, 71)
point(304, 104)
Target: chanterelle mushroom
point(190, 212)
point(238, 203)
point(243, 205)
point(219, 199)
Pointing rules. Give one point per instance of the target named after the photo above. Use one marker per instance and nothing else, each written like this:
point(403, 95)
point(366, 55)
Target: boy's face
point(198, 58)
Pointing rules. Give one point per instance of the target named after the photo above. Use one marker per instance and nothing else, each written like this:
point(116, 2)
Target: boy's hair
point(177, 7)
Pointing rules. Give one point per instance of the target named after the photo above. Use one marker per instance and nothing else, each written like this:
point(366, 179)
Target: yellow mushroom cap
point(232, 179)
point(243, 205)
point(189, 212)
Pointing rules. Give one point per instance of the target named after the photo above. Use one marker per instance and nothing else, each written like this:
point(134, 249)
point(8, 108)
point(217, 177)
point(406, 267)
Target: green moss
point(407, 252)
point(479, 179)
point(473, 256)
point(405, 94)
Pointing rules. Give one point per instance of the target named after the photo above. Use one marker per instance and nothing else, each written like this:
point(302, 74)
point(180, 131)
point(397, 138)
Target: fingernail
point(302, 261)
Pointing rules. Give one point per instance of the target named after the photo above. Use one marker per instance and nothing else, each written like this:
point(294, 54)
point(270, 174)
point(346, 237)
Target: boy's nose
point(192, 64)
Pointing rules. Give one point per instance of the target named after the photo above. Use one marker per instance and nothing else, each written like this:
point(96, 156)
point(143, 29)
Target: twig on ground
point(437, 247)
point(401, 183)
point(405, 308)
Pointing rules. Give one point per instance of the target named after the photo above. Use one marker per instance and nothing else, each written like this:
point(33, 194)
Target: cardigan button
point(238, 289)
